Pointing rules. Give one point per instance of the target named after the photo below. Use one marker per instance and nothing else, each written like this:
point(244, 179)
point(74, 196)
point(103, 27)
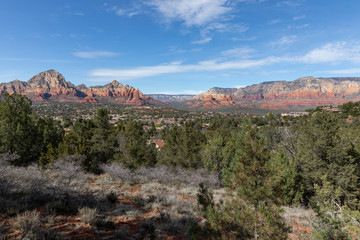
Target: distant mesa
point(52, 86)
point(301, 93)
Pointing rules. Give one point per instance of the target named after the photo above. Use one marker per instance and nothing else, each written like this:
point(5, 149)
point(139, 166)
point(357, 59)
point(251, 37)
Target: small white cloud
point(135, 9)
point(243, 52)
point(224, 27)
point(127, 12)
point(235, 39)
point(292, 3)
point(299, 26)
point(202, 41)
point(274, 21)
point(95, 54)
point(79, 13)
point(299, 17)
point(284, 41)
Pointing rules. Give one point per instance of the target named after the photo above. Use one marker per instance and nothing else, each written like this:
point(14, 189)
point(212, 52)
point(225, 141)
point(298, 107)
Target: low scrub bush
point(88, 215)
point(28, 222)
point(118, 172)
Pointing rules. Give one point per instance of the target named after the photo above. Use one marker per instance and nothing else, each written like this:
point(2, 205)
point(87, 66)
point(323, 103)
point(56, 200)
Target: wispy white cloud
point(206, 16)
point(299, 26)
point(243, 52)
point(150, 71)
point(79, 14)
point(299, 17)
point(192, 12)
point(284, 41)
point(336, 52)
point(95, 54)
point(135, 9)
point(343, 71)
point(127, 12)
point(235, 39)
point(333, 53)
point(290, 3)
point(202, 41)
point(274, 21)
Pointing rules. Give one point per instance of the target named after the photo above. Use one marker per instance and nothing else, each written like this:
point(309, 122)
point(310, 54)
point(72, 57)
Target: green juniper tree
point(18, 131)
point(249, 212)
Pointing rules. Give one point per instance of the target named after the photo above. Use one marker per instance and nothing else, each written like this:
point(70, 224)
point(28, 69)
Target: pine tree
point(18, 132)
point(250, 212)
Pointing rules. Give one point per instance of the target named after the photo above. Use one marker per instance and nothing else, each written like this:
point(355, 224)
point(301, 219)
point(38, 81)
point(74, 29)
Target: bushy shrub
point(118, 172)
point(162, 174)
point(88, 215)
point(28, 222)
point(329, 232)
point(111, 197)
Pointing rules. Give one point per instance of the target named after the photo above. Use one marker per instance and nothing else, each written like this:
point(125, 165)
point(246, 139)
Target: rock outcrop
point(52, 86)
point(303, 92)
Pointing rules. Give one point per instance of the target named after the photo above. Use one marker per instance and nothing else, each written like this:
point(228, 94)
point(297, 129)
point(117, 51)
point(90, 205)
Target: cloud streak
point(95, 54)
point(284, 41)
point(150, 71)
point(329, 53)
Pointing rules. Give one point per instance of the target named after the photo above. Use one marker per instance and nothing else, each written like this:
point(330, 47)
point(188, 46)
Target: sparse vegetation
point(104, 180)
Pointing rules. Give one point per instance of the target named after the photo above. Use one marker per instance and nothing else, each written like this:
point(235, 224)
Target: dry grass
point(88, 215)
point(157, 203)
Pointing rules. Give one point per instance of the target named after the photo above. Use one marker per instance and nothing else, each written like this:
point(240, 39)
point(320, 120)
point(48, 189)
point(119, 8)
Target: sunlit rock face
point(52, 86)
point(303, 92)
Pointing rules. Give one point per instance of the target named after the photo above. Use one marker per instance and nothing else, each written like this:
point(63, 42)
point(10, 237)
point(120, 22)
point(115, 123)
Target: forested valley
point(226, 178)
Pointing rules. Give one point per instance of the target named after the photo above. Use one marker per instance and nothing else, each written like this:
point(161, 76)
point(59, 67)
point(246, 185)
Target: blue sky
point(179, 46)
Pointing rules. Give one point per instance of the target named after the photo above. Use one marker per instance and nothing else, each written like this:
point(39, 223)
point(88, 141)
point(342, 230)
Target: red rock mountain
point(301, 93)
point(52, 86)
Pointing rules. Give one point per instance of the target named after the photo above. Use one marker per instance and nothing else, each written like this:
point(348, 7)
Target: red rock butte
point(52, 86)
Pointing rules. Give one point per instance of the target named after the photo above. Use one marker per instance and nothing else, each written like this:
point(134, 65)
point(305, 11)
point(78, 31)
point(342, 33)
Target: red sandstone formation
point(51, 86)
point(303, 92)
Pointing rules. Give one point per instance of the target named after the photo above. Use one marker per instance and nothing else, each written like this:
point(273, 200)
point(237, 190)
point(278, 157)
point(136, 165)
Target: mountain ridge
point(302, 92)
point(50, 85)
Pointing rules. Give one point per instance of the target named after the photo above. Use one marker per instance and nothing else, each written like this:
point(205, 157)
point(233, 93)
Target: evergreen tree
point(18, 132)
point(51, 134)
point(324, 150)
point(182, 146)
point(249, 212)
point(102, 143)
point(134, 150)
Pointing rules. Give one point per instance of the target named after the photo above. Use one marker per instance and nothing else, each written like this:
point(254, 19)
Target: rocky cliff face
point(214, 98)
point(216, 91)
point(303, 92)
point(52, 86)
